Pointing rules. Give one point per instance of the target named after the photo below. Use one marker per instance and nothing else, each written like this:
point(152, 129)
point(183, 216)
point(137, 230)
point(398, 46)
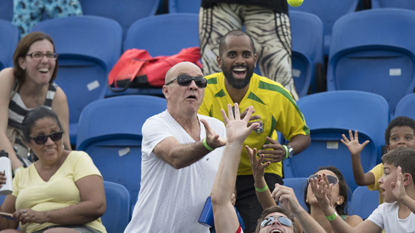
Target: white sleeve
point(154, 131)
point(377, 216)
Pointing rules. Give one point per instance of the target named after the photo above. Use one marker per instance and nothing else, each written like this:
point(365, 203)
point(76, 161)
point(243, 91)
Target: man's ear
point(165, 91)
point(219, 61)
point(255, 59)
point(407, 179)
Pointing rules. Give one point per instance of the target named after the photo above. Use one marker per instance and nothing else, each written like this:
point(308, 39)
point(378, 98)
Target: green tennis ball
point(295, 3)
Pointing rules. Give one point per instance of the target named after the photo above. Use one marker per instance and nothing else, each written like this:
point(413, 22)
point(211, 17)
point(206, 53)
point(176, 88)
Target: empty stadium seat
point(373, 51)
point(328, 11)
point(184, 6)
point(6, 10)
point(364, 201)
point(307, 49)
point(9, 37)
point(404, 4)
point(117, 215)
point(125, 12)
point(405, 106)
point(328, 116)
point(298, 185)
point(88, 47)
point(110, 132)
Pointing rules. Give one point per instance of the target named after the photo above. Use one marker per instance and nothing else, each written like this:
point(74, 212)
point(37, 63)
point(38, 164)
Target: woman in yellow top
point(63, 191)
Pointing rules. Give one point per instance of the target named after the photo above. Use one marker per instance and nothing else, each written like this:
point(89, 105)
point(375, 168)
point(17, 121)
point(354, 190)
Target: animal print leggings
point(28, 13)
point(270, 31)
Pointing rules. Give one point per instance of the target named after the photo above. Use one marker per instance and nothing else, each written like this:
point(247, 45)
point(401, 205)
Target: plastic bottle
point(6, 167)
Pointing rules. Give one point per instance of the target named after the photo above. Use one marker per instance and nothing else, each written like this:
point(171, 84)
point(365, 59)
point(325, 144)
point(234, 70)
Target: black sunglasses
point(282, 219)
point(185, 80)
point(42, 139)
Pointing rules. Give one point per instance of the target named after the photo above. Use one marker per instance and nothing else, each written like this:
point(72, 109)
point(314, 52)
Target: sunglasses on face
point(332, 179)
point(186, 80)
point(42, 139)
point(282, 219)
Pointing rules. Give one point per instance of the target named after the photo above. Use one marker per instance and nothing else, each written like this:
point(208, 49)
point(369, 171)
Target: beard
point(238, 83)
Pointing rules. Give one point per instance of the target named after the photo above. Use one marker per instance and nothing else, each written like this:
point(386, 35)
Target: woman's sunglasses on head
point(186, 80)
point(42, 139)
point(332, 179)
point(282, 219)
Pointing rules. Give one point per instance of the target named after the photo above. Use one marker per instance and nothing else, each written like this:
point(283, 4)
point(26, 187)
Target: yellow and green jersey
point(270, 100)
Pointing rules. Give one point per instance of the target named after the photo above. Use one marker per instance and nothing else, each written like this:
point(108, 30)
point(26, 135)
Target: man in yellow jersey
point(274, 108)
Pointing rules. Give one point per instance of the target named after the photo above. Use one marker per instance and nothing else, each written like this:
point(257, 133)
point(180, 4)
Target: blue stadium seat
point(9, 37)
point(6, 10)
point(110, 132)
point(328, 11)
point(184, 6)
point(117, 215)
point(88, 47)
point(331, 114)
point(373, 51)
point(403, 4)
point(364, 201)
point(307, 49)
point(405, 106)
point(165, 35)
point(299, 185)
point(125, 12)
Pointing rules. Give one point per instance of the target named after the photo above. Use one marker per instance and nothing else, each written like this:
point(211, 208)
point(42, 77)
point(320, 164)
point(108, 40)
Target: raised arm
point(258, 169)
point(237, 131)
point(288, 200)
point(91, 207)
point(355, 148)
point(321, 191)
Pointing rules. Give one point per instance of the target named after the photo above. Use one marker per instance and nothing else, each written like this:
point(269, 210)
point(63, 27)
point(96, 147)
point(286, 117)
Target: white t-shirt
point(386, 217)
point(171, 200)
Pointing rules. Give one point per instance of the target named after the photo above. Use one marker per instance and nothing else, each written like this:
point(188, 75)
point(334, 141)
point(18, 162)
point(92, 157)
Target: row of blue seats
point(370, 52)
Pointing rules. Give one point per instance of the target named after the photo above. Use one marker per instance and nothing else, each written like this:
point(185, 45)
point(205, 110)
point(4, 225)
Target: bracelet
point(287, 153)
point(332, 217)
point(262, 189)
point(206, 145)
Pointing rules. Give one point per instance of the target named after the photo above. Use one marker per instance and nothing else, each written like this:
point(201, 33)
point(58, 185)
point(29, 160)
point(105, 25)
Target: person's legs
point(246, 200)
point(214, 23)
point(271, 33)
point(26, 14)
point(63, 8)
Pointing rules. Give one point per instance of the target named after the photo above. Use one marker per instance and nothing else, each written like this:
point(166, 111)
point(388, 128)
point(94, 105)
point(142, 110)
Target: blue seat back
point(88, 48)
point(117, 215)
point(364, 201)
point(404, 4)
point(307, 49)
point(331, 114)
point(373, 51)
point(9, 37)
point(6, 10)
point(110, 132)
point(184, 6)
point(328, 11)
point(299, 185)
point(164, 35)
point(125, 12)
point(405, 106)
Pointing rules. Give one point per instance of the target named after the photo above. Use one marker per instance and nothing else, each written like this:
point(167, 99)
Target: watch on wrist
point(290, 151)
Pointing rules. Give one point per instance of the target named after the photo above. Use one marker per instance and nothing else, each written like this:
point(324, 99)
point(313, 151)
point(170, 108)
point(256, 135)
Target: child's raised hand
point(257, 164)
point(398, 188)
point(353, 144)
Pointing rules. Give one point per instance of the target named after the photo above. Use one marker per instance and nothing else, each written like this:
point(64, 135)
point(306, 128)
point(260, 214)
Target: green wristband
point(262, 189)
point(287, 153)
point(332, 217)
point(206, 145)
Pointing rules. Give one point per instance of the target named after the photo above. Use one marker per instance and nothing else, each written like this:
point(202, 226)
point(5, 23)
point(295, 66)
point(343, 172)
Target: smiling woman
point(69, 188)
point(27, 85)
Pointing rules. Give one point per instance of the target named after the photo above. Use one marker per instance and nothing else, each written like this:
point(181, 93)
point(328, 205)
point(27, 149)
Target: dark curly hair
point(400, 121)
